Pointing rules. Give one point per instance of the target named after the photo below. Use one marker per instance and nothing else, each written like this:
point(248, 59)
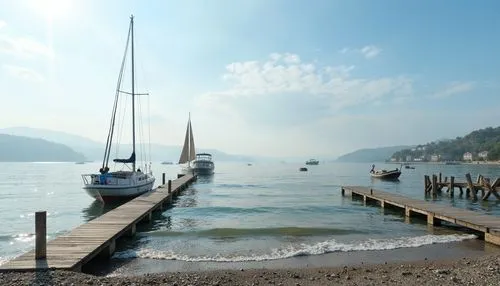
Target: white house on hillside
point(467, 156)
point(483, 155)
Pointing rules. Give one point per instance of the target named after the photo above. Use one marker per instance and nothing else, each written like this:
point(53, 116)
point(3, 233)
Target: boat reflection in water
point(96, 209)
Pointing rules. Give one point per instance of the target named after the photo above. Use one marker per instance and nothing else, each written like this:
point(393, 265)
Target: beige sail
point(188, 152)
point(192, 150)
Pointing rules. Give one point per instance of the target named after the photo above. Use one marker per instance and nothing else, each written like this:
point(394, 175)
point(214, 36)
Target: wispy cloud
point(287, 82)
point(369, 51)
point(24, 47)
point(23, 73)
point(2, 24)
point(454, 88)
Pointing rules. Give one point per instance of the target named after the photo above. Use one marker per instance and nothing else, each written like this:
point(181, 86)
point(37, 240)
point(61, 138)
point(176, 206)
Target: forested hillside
point(487, 139)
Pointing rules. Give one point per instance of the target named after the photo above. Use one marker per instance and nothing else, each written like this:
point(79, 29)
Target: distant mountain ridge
point(370, 155)
point(94, 150)
point(25, 149)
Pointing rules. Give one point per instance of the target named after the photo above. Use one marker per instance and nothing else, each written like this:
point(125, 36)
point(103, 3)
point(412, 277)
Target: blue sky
point(276, 78)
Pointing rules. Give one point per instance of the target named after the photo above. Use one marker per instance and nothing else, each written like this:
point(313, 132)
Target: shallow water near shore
point(264, 215)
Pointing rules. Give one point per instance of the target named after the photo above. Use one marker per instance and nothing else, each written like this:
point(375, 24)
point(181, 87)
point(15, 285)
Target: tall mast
point(189, 144)
point(133, 92)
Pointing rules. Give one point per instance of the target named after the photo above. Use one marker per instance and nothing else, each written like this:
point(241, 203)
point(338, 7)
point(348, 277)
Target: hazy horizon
point(261, 78)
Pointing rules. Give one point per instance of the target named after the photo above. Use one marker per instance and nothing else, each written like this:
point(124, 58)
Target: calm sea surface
point(243, 213)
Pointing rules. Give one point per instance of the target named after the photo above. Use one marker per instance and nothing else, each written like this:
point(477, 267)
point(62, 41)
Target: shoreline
point(480, 270)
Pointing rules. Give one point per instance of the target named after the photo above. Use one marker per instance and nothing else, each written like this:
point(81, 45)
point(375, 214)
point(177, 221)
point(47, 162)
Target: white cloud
point(455, 88)
point(369, 51)
point(23, 73)
point(24, 47)
point(288, 74)
point(2, 24)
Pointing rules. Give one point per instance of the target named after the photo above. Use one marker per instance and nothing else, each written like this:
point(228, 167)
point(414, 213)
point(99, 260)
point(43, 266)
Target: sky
point(272, 78)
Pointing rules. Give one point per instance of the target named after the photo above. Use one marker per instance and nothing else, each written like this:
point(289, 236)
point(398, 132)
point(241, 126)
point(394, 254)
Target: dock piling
point(163, 178)
point(40, 234)
point(169, 186)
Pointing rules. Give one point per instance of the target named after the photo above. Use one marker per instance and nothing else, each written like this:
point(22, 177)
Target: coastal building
point(393, 159)
point(483, 155)
point(467, 156)
point(409, 158)
point(434, 158)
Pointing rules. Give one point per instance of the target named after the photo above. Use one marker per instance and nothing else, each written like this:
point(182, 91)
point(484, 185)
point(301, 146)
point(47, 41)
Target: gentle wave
point(248, 232)
point(328, 246)
point(239, 186)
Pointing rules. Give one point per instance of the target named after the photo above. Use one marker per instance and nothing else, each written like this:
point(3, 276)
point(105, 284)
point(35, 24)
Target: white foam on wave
point(301, 249)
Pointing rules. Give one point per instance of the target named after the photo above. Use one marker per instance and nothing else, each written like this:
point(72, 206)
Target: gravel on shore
point(466, 271)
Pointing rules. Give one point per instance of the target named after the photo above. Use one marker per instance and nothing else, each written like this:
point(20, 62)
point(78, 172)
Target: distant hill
point(487, 139)
point(25, 149)
point(370, 155)
point(94, 150)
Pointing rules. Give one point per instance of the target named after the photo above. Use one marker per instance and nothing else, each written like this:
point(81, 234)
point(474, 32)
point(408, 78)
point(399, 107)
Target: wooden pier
point(488, 225)
point(472, 189)
point(97, 238)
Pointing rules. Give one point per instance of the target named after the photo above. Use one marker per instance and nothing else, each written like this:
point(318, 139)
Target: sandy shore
point(483, 270)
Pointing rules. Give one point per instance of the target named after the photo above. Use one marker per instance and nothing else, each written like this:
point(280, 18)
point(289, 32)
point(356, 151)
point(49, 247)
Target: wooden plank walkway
point(98, 237)
point(489, 225)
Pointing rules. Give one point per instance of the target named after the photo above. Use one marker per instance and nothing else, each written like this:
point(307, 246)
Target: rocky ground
point(482, 271)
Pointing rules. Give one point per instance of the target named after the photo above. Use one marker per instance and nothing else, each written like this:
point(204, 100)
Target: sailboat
point(121, 184)
point(188, 153)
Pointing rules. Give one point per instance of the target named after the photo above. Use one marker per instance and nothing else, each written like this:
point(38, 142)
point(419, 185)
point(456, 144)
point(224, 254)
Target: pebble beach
point(484, 270)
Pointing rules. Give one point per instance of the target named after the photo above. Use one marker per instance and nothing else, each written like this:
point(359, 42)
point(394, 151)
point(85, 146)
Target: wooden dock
point(488, 225)
point(97, 238)
point(482, 184)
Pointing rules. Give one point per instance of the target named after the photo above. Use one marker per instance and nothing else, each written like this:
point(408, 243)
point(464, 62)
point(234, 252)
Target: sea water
point(241, 214)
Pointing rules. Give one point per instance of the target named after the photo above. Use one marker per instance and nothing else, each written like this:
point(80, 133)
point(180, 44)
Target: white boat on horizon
point(122, 184)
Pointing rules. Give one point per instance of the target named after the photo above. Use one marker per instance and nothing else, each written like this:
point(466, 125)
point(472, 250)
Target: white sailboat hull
point(117, 189)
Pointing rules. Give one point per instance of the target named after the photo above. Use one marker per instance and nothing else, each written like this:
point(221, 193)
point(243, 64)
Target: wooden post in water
point(40, 234)
point(472, 189)
point(452, 185)
point(434, 185)
point(169, 186)
point(440, 177)
point(163, 179)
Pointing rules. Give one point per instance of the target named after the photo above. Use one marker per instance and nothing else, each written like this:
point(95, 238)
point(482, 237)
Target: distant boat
point(188, 153)
point(312, 162)
point(249, 164)
point(122, 184)
point(303, 169)
point(384, 174)
point(452, 163)
point(203, 164)
point(409, 167)
point(80, 163)
point(167, 163)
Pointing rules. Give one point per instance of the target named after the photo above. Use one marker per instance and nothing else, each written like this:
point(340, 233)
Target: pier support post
point(432, 220)
point(163, 179)
point(434, 185)
point(343, 191)
point(169, 186)
point(452, 185)
point(41, 234)
point(407, 212)
point(132, 230)
point(108, 251)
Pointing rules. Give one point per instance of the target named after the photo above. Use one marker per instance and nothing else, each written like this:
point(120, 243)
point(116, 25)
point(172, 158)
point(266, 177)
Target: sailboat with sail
point(121, 184)
point(188, 153)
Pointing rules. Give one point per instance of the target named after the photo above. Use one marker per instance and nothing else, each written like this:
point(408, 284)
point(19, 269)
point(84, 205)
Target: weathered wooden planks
point(98, 236)
point(488, 224)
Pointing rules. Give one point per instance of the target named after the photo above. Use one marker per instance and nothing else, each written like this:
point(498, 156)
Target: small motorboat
point(303, 169)
point(409, 167)
point(384, 174)
point(312, 162)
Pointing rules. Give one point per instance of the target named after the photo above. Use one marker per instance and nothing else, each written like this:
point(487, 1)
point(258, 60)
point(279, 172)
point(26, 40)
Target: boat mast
point(189, 144)
point(133, 92)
